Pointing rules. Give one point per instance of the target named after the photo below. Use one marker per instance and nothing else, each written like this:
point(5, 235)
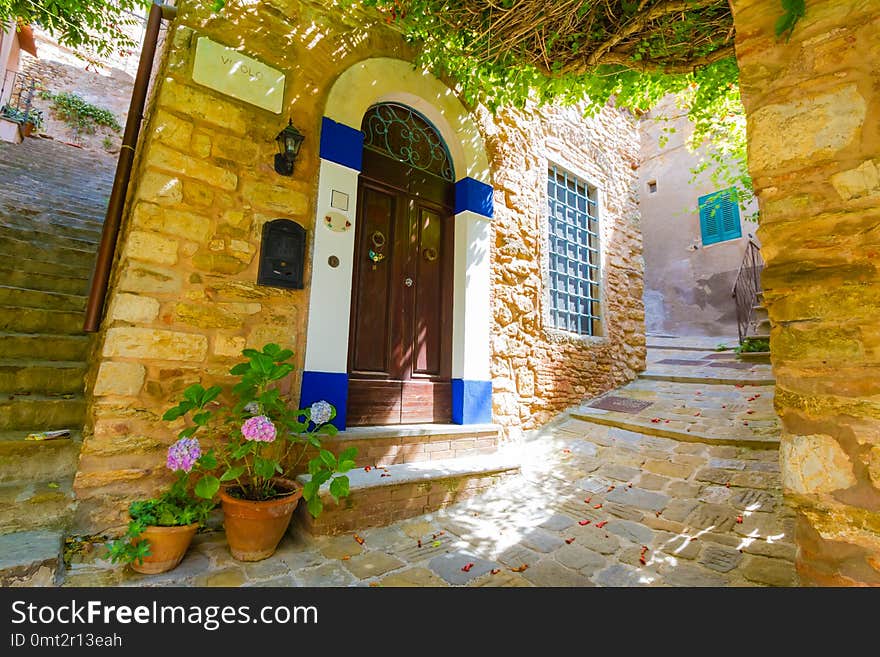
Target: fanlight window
point(403, 134)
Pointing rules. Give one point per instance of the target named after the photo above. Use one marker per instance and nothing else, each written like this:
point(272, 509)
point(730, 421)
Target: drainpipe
point(113, 218)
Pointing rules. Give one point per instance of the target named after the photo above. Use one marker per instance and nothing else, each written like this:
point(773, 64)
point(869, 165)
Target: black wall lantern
point(289, 141)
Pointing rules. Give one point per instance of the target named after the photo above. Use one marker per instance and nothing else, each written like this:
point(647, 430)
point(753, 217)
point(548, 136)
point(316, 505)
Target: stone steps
point(41, 413)
point(44, 236)
point(28, 460)
point(416, 443)
point(31, 558)
point(36, 505)
point(84, 229)
point(17, 319)
point(39, 268)
point(26, 298)
point(651, 375)
point(44, 347)
point(387, 494)
point(65, 255)
point(663, 430)
point(42, 377)
point(44, 281)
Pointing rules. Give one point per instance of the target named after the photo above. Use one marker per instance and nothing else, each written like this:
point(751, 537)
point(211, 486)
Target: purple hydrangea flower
point(259, 428)
point(321, 412)
point(183, 454)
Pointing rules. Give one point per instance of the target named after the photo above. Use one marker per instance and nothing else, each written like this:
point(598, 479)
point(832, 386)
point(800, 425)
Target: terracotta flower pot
point(167, 547)
point(254, 529)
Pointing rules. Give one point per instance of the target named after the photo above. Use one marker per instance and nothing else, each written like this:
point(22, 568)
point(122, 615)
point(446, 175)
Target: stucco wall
point(183, 299)
point(688, 285)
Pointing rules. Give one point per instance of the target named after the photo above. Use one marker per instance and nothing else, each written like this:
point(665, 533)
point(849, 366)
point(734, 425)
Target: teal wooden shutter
point(719, 216)
point(730, 225)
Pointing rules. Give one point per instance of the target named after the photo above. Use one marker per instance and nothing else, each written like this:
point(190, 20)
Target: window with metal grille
point(719, 216)
point(573, 240)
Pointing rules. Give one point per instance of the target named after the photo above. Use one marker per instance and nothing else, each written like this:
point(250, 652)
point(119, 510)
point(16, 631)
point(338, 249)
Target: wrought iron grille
point(406, 136)
point(17, 94)
point(573, 239)
point(747, 287)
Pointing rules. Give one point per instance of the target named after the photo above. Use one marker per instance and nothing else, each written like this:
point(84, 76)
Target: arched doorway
point(400, 340)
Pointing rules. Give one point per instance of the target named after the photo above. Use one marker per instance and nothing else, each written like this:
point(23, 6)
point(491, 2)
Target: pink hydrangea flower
point(183, 454)
point(259, 428)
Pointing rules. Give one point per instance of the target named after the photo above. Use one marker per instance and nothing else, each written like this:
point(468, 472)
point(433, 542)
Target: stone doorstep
point(32, 460)
point(33, 506)
point(415, 443)
point(706, 380)
point(30, 558)
point(387, 494)
point(630, 423)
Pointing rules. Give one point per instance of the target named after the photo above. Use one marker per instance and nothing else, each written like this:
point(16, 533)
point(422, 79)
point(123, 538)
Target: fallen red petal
point(597, 506)
point(495, 571)
point(600, 525)
point(642, 561)
point(367, 468)
point(739, 520)
point(587, 501)
point(610, 488)
point(467, 567)
point(359, 539)
point(583, 523)
point(420, 542)
point(569, 540)
point(520, 569)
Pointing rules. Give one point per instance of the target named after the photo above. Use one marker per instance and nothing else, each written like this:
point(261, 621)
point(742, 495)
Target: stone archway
point(813, 110)
point(382, 80)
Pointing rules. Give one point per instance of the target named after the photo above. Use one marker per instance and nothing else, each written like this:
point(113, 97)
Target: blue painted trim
point(327, 386)
point(475, 196)
point(342, 144)
point(471, 401)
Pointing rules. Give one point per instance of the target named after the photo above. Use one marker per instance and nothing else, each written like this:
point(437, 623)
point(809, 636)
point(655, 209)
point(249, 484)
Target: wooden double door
point(400, 345)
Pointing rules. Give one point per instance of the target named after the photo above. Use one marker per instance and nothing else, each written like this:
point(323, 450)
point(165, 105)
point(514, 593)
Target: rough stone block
point(115, 378)
point(154, 344)
point(150, 247)
point(162, 157)
point(133, 308)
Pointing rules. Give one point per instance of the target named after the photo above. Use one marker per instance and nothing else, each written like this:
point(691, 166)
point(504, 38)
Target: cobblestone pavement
point(595, 505)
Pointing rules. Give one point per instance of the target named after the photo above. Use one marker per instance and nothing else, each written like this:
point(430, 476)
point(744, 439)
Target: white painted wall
point(330, 292)
point(471, 306)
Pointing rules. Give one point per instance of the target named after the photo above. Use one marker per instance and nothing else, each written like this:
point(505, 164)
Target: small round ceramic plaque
point(337, 222)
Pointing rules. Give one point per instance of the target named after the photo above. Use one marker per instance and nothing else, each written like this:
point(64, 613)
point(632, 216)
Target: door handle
point(408, 281)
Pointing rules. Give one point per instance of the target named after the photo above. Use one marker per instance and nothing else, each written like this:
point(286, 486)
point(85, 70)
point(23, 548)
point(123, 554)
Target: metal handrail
point(747, 287)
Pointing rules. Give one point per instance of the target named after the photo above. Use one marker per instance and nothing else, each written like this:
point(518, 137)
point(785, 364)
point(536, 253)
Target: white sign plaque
point(234, 74)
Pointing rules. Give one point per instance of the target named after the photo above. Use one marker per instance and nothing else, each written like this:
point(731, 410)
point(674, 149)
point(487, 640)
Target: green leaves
point(232, 473)
point(207, 487)
point(339, 487)
point(794, 11)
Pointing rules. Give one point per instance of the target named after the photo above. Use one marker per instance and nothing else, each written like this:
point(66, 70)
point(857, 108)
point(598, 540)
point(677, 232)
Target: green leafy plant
point(107, 143)
point(82, 115)
point(173, 508)
point(721, 347)
point(257, 437)
point(753, 345)
point(22, 116)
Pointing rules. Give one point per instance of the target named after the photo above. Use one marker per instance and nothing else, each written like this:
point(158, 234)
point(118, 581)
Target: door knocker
point(375, 254)
point(430, 254)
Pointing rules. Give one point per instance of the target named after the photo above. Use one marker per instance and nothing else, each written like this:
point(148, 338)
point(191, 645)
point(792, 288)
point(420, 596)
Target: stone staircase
point(407, 470)
point(52, 203)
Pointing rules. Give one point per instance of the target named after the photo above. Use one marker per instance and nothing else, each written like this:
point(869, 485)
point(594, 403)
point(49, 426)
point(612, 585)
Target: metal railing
point(747, 287)
point(17, 96)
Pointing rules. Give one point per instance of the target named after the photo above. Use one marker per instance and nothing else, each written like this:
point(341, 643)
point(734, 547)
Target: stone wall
point(538, 371)
point(688, 284)
point(814, 149)
point(105, 83)
point(183, 300)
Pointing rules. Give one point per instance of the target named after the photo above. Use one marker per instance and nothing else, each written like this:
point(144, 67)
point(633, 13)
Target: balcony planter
point(254, 528)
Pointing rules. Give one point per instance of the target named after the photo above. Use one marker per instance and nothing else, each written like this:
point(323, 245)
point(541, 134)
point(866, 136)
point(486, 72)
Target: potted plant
point(161, 529)
point(258, 441)
point(33, 120)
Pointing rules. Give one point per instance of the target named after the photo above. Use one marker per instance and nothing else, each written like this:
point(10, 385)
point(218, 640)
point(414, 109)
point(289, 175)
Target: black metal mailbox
point(282, 254)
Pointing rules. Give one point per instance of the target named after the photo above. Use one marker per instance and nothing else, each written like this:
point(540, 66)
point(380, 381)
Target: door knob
point(408, 281)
